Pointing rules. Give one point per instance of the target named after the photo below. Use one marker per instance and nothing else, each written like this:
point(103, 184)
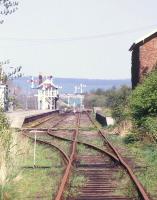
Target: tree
point(7, 7)
point(7, 74)
point(117, 100)
point(12, 73)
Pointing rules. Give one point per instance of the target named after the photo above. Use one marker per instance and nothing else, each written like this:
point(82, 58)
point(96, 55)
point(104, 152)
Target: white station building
point(48, 95)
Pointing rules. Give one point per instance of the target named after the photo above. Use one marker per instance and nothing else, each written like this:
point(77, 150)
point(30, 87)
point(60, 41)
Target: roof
point(142, 39)
point(47, 84)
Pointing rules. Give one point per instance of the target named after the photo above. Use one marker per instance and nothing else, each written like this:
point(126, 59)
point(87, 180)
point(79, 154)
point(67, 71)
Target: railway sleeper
point(101, 183)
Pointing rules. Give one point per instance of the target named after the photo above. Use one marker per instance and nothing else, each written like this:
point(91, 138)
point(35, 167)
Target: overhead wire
point(76, 38)
point(86, 37)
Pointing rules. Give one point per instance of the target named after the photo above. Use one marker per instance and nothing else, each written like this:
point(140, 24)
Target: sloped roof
point(48, 83)
point(142, 39)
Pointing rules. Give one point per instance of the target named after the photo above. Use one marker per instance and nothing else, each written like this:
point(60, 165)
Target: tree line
point(139, 106)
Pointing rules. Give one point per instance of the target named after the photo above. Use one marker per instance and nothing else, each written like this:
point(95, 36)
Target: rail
point(86, 144)
point(115, 156)
point(49, 144)
point(69, 166)
point(142, 193)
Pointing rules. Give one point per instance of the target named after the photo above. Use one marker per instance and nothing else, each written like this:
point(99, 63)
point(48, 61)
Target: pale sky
point(53, 36)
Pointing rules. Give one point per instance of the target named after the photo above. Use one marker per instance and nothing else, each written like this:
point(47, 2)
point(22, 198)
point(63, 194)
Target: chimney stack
point(40, 79)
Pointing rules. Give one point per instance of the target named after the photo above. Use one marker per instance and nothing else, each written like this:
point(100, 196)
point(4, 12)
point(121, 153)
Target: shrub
point(131, 138)
point(143, 104)
point(94, 100)
point(149, 124)
point(117, 100)
point(114, 99)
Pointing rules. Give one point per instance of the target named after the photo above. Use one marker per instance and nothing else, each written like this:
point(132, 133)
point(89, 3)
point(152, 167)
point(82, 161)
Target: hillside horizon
point(68, 84)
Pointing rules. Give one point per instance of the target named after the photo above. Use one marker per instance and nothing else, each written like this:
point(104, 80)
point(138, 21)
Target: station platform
point(17, 118)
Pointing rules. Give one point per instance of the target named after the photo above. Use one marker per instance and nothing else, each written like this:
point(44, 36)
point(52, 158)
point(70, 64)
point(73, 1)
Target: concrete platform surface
point(16, 118)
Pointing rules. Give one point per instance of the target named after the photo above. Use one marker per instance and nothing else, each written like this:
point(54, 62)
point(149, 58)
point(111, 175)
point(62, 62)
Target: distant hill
point(68, 84)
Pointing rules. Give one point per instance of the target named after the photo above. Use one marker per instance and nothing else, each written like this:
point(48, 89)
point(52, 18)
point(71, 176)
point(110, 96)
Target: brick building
point(144, 57)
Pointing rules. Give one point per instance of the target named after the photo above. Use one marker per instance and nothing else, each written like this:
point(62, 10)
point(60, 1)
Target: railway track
point(98, 163)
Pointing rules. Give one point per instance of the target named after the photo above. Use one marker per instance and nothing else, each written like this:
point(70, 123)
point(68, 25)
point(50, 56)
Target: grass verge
point(36, 183)
point(144, 155)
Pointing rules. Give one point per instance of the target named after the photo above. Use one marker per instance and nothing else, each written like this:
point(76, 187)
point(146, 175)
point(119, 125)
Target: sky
point(76, 38)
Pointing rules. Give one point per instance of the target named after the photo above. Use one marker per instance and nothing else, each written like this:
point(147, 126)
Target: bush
point(114, 99)
point(143, 104)
point(117, 100)
point(131, 138)
point(149, 124)
point(94, 100)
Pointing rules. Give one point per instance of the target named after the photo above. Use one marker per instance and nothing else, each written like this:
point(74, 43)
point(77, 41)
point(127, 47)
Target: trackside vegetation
point(144, 161)
point(6, 155)
point(114, 101)
point(18, 178)
point(143, 106)
point(137, 107)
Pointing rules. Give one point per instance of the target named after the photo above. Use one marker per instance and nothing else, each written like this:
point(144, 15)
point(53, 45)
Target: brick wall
point(147, 57)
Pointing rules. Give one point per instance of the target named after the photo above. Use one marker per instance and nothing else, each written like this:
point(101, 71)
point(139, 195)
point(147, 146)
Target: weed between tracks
point(64, 145)
point(81, 149)
point(87, 129)
point(145, 157)
point(92, 138)
point(68, 123)
point(76, 182)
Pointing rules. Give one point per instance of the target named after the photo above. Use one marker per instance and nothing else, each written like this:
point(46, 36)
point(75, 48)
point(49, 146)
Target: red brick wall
point(147, 57)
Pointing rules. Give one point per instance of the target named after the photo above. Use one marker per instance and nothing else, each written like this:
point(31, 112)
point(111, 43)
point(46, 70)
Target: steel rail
point(142, 193)
point(50, 144)
point(118, 158)
point(86, 144)
point(34, 129)
point(58, 122)
point(46, 129)
point(69, 166)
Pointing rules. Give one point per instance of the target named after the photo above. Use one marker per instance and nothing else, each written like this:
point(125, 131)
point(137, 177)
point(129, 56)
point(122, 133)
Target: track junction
point(88, 153)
